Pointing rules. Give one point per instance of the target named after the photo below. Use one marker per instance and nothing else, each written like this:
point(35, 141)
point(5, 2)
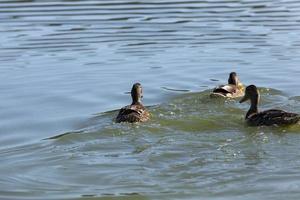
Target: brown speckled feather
point(273, 117)
point(133, 113)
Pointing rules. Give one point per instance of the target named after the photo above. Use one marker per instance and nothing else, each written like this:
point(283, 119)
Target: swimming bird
point(233, 89)
point(135, 112)
point(267, 117)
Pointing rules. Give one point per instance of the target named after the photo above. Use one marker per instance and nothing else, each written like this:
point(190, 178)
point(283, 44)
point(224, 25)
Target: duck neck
point(233, 80)
point(254, 106)
point(137, 102)
point(136, 99)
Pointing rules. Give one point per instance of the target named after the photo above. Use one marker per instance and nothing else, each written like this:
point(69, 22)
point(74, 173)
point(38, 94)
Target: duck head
point(233, 79)
point(136, 93)
point(251, 93)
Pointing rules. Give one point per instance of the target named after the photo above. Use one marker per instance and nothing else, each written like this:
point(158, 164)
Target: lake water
point(67, 65)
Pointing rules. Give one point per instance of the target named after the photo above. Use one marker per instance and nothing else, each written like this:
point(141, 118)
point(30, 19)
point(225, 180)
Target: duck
point(233, 89)
point(135, 112)
point(268, 117)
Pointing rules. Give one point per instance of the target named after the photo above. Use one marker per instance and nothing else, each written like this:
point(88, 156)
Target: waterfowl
point(267, 117)
point(135, 112)
point(233, 89)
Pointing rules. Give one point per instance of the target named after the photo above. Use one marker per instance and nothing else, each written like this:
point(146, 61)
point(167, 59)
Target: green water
point(66, 68)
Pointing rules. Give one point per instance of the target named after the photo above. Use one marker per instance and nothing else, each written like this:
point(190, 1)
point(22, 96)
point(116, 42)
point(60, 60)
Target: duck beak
point(245, 98)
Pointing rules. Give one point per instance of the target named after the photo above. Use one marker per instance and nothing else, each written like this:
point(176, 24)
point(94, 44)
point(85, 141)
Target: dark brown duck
point(267, 117)
point(135, 112)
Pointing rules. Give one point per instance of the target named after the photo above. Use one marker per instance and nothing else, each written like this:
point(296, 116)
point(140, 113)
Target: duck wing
point(225, 90)
point(273, 117)
point(132, 113)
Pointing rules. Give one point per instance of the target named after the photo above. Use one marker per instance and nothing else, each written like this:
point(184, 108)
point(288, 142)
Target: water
point(66, 66)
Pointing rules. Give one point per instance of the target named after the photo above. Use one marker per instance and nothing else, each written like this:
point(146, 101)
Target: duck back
point(132, 114)
point(273, 117)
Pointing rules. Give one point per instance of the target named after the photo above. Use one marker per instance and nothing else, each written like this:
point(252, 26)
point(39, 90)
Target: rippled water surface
point(67, 65)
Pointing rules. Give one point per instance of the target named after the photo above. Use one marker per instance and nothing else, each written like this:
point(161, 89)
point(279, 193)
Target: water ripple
point(62, 60)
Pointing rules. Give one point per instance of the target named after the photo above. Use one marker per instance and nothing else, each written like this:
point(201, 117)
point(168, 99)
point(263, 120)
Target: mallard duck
point(267, 117)
point(233, 89)
point(135, 112)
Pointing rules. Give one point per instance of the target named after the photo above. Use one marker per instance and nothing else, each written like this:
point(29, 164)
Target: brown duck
point(267, 117)
point(135, 112)
point(233, 89)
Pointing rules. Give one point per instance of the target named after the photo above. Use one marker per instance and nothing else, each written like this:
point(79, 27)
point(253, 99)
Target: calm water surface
point(66, 65)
